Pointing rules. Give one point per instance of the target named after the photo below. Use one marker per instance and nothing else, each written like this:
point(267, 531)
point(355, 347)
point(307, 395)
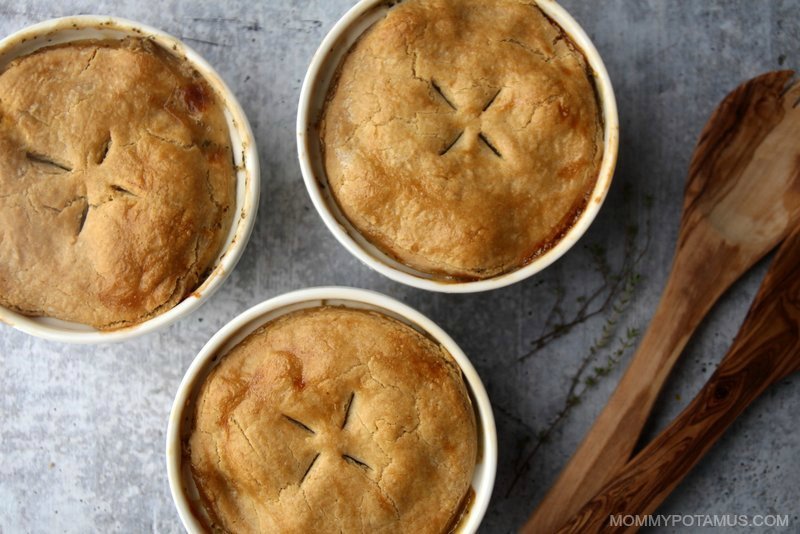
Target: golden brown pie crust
point(463, 137)
point(333, 420)
point(116, 182)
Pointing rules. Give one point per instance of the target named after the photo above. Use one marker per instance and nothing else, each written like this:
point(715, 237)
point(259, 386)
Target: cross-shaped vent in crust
point(52, 165)
point(481, 135)
point(349, 458)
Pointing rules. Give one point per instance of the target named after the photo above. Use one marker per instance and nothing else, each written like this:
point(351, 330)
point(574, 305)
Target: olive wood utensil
point(742, 192)
point(766, 350)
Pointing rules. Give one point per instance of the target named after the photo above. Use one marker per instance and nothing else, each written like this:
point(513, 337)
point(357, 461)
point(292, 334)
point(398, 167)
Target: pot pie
point(116, 182)
point(463, 137)
point(331, 419)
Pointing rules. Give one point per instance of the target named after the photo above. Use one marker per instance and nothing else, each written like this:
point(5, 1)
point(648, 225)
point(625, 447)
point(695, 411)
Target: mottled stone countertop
point(83, 427)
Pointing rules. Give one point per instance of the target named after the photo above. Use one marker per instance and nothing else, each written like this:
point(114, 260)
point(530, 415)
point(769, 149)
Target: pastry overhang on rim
point(332, 419)
point(463, 137)
point(117, 185)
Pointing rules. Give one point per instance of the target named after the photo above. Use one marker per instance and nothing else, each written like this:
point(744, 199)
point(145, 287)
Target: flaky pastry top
point(116, 182)
point(332, 420)
point(463, 137)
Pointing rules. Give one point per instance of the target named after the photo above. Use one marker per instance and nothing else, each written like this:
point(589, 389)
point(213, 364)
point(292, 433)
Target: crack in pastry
point(482, 137)
point(382, 433)
point(297, 423)
point(356, 462)
point(439, 91)
point(463, 138)
point(104, 151)
point(347, 408)
point(140, 136)
point(451, 144)
point(491, 100)
point(48, 161)
point(120, 189)
point(308, 469)
point(82, 220)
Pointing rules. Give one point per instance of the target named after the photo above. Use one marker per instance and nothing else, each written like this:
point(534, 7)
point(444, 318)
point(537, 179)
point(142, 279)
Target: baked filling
point(116, 182)
point(463, 137)
point(332, 420)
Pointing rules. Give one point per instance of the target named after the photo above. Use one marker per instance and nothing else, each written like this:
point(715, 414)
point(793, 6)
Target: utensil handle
point(725, 228)
point(643, 484)
point(696, 282)
point(766, 350)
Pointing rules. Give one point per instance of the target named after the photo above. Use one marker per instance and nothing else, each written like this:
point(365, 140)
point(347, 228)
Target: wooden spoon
point(766, 350)
point(742, 192)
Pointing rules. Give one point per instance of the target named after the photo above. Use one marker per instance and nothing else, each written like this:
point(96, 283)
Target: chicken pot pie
point(332, 419)
point(116, 182)
point(463, 137)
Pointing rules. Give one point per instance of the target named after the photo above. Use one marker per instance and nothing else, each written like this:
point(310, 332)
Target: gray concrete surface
point(82, 428)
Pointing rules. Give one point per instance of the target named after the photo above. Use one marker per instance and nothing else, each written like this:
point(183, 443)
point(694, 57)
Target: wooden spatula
point(766, 350)
point(742, 191)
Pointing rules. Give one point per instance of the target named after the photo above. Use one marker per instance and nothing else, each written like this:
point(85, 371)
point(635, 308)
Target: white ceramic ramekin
point(321, 72)
point(179, 476)
point(68, 29)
